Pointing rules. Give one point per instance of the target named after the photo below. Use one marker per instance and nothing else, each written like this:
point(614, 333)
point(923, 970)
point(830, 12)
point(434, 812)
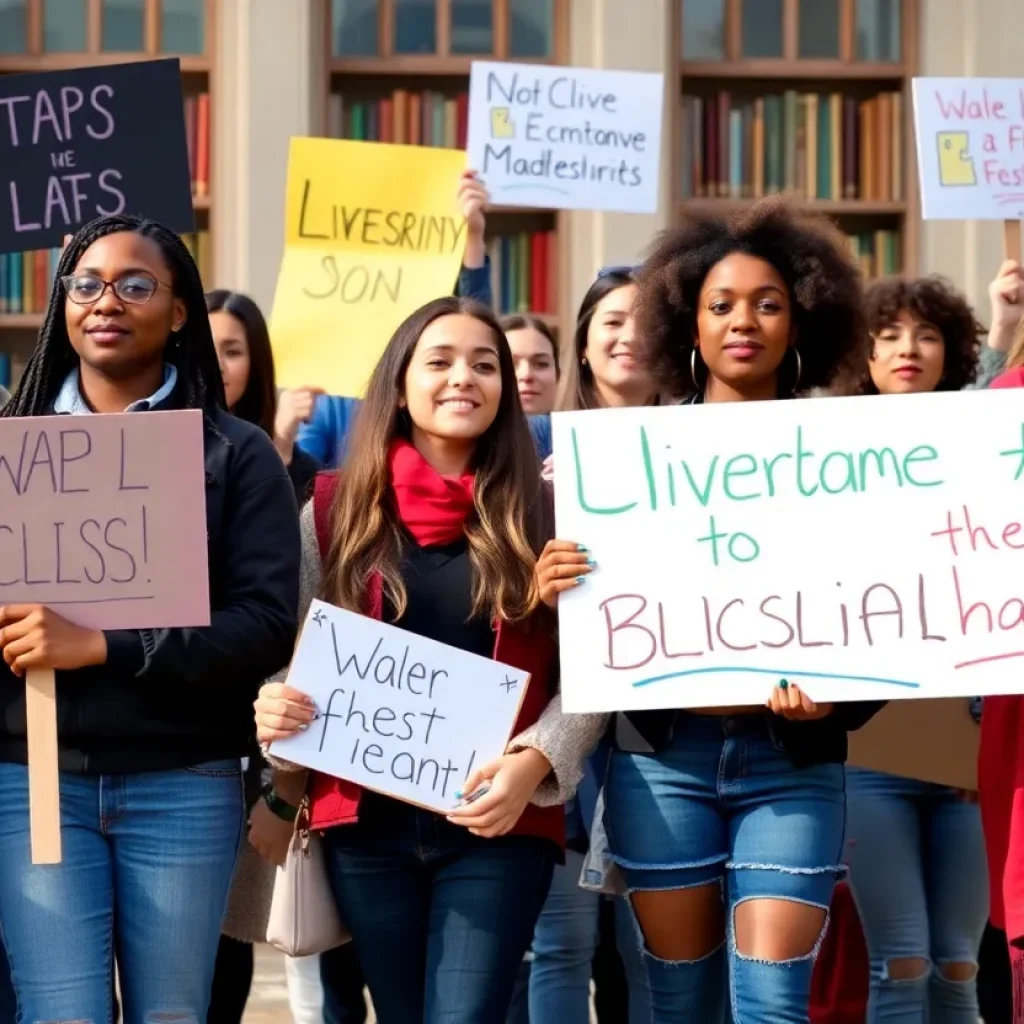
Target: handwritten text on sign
point(373, 232)
point(566, 138)
point(970, 147)
point(398, 713)
point(103, 518)
point(89, 142)
point(866, 547)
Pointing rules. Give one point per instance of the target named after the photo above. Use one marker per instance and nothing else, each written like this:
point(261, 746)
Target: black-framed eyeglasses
point(135, 289)
point(620, 270)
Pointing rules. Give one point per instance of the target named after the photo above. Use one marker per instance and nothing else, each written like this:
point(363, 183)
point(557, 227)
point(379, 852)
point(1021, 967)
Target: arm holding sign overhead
point(253, 618)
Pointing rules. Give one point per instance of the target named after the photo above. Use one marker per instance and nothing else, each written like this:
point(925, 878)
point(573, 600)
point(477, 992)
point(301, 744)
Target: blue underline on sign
point(548, 188)
point(778, 672)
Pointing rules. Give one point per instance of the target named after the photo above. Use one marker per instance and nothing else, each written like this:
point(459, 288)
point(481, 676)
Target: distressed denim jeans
point(918, 873)
point(147, 863)
point(721, 803)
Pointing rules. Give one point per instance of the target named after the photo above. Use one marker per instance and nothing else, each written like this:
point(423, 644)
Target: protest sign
point(932, 740)
point(865, 548)
point(87, 143)
point(566, 138)
point(398, 713)
point(373, 231)
point(103, 518)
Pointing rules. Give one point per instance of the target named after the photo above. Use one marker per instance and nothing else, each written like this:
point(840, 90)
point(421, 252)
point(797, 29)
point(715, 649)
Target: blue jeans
point(721, 804)
point(918, 873)
point(440, 918)
point(147, 863)
point(564, 943)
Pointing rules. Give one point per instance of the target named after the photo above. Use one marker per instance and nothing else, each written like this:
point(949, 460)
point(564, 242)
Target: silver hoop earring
point(799, 370)
point(693, 368)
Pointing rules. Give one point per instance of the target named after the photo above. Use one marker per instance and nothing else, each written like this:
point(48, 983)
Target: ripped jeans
point(919, 877)
point(721, 804)
point(147, 863)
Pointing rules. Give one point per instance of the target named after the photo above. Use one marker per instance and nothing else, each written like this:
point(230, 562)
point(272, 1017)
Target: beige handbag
point(304, 918)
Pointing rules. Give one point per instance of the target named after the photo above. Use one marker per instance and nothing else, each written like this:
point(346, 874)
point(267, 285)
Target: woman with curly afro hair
point(726, 823)
point(923, 933)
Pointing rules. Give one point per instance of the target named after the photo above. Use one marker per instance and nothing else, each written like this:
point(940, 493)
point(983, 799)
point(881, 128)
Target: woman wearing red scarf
point(434, 524)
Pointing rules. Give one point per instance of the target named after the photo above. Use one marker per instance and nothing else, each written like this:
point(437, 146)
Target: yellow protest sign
point(373, 231)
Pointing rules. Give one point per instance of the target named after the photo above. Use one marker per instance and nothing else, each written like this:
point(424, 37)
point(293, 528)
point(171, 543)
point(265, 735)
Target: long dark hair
point(190, 350)
point(506, 530)
point(577, 385)
point(258, 403)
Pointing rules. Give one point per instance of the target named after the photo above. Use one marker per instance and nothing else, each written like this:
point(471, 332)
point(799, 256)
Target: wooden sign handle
point(1011, 240)
point(43, 778)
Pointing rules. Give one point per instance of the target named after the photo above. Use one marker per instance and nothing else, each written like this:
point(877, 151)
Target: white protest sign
point(970, 147)
point(399, 713)
point(867, 548)
point(566, 138)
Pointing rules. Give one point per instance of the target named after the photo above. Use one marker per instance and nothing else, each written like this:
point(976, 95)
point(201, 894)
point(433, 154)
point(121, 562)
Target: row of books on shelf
point(26, 277)
point(524, 272)
point(197, 135)
point(415, 118)
point(877, 253)
point(826, 146)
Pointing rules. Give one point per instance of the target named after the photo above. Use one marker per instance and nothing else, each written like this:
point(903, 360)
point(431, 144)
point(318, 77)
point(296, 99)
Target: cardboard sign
point(866, 548)
point(87, 143)
point(932, 740)
point(103, 518)
point(970, 147)
point(566, 138)
point(398, 713)
point(373, 231)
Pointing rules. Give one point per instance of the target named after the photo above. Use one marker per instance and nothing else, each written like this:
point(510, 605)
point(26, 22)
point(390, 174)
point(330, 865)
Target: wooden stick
point(43, 779)
point(1011, 240)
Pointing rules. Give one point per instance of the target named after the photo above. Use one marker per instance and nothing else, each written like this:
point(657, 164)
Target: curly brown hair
point(932, 300)
point(808, 253)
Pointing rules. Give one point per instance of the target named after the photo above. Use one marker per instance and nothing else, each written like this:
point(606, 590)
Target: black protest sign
point(87, 143)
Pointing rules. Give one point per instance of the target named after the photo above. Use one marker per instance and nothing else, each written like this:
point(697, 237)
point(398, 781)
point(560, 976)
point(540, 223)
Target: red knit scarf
point(432, 507)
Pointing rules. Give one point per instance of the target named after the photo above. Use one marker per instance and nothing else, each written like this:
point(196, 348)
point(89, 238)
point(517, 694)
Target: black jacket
point(171, 698)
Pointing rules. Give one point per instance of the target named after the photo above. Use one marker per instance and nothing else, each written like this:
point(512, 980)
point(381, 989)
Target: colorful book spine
point(523, 272)
point(426, 118)
point(198, 135)
point(26, 279)
point(814, 146)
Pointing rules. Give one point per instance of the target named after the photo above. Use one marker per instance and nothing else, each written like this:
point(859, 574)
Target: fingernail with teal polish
point(458, 794)
point(581, 579)
point(592, 562)
point(582, 547)
point(783, 684)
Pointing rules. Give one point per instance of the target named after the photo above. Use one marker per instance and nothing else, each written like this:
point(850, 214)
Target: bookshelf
point(807, 97)
point(53, 35)
point(398, 71)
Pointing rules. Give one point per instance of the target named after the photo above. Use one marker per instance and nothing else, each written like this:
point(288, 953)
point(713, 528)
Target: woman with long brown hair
point(434, 524)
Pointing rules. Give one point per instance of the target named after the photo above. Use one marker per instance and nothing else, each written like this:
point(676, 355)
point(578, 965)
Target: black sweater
point(170, 698)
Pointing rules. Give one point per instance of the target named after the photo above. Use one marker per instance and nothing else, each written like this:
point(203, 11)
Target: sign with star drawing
point(865, 548)
point(396, 712)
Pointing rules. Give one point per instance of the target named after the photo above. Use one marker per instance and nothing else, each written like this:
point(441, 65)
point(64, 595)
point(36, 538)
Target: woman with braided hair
point(152, 724)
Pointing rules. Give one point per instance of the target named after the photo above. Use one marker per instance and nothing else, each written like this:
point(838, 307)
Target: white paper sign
point(399, 713)
point(865, 548)
point(566, 138)
point(970, 147)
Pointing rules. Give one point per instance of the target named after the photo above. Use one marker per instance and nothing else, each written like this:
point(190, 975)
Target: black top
point(302, 471)
point(439, 594)
point(170, 698)
point(820, 741)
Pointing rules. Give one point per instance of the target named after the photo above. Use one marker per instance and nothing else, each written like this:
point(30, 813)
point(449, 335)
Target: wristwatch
point(281, 808)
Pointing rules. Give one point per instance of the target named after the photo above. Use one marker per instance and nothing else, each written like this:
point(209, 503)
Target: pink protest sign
point(103, 518)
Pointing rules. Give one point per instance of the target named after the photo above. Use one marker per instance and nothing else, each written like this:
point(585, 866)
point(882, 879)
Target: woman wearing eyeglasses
point(152, 724)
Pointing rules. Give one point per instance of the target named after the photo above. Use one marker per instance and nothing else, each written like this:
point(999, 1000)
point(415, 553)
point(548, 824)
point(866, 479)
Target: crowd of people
point(720, 864)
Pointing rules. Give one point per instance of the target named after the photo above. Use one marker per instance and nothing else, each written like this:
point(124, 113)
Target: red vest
point(528, 647)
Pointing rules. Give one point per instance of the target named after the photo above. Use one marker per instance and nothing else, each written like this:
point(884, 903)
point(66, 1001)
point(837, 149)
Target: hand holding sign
point(35, 638)
point(789, 701)
point(1006, 296)
point(514, 779)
